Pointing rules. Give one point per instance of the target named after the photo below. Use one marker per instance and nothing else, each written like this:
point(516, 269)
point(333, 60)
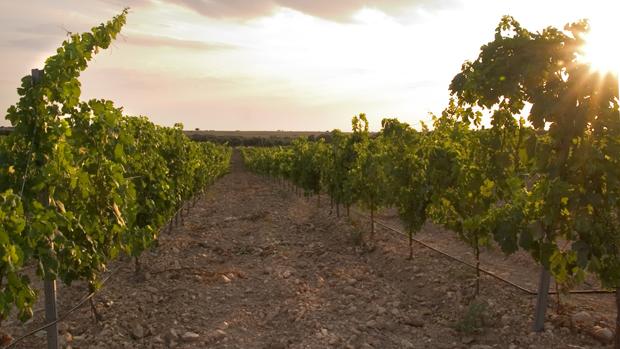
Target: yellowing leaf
point(486, 189)
point(60, 206)
point(118, 215)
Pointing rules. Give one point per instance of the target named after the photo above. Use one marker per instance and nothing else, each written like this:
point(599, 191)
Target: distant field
point(252, 134)
point(254, 138)
point(243, 134)
point(236, 138)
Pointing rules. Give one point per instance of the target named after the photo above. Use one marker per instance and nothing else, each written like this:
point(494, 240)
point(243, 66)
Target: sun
point(602, 48)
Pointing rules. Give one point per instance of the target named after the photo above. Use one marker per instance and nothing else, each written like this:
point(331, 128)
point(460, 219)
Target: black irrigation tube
point(484, 271)
point(487, 272)
point(64, 316)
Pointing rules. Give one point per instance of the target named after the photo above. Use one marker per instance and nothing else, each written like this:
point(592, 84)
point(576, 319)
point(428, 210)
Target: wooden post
point(410, 245)
point(477, 253)
point(51, 313)
point(542, 300)
point(617, 340)
point(372, 223)
point(49, 284)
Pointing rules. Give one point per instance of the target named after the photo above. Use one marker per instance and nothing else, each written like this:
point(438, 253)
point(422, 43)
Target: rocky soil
point(255, 266)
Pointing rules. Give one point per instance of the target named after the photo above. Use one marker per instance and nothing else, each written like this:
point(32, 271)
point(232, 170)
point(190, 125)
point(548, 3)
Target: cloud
point(128, 3)
point(42, 29)
point(340, 10)
point(35, 37)
point(344, 9)
point(241, 9)
point(163, 41)
point(36, 44)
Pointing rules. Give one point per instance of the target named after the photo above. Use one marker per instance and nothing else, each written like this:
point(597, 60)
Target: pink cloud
point(340, 10)
point(162, 41)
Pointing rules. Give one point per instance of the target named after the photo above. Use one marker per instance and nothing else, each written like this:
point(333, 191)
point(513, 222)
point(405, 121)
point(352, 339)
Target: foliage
point(542, 176)
point(81, 182)
point(572, 196)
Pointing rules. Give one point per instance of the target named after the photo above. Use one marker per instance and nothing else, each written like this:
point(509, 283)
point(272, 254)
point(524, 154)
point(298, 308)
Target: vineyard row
point(81, 183)
point(542, 175)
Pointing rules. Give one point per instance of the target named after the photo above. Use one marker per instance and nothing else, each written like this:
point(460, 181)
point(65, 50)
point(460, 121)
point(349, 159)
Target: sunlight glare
point(601, 50)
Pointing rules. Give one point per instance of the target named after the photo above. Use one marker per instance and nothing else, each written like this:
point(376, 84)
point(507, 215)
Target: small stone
point(390, 326)
point(506, 319)
point(275, 345)
point(467, 340)
point(136, 331)
point(286, 274)
point(190, 337)
point(414, 322)
point(381, 310)
point(218, 335)
point(351, 291)
point(105, 332)
point(63, 328)
point(65, 339)
point(406, 344)
point(40, 334)
point(172, 335)
point(602, 334)
point(582, 318)
point(226, 279)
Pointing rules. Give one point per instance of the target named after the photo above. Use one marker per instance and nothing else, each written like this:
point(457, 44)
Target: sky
point(274, 64)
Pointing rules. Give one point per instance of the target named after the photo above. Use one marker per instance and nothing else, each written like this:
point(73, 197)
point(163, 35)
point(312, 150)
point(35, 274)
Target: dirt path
point(254, 266)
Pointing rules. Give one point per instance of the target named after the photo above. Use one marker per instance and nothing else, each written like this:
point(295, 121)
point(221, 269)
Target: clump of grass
point(474, 318)
point(356, 235)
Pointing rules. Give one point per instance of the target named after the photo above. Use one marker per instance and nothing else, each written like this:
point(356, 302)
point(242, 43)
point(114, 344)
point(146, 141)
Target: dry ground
point(254, 266)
